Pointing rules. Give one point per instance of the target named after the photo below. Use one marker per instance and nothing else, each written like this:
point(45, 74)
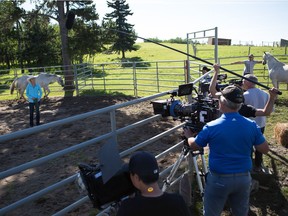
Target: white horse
point(43, 79)
point(278, 71)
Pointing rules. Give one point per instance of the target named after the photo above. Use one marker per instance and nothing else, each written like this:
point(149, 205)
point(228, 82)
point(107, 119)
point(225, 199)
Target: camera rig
point(222, 82)
point(196, 114)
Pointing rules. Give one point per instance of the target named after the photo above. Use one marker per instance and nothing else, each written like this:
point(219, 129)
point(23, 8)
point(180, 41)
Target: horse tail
point(12, 86)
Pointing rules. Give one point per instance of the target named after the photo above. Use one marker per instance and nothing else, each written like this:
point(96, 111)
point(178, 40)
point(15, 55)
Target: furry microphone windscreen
point(70, 20)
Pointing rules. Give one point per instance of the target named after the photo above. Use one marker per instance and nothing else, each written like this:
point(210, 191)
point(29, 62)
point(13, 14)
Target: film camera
point(196, 114)
point(204, 85)
point(221, 83)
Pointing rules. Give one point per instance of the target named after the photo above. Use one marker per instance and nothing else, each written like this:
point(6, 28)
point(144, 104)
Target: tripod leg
point(185, 188)
point(198, 177)
point(169, 178)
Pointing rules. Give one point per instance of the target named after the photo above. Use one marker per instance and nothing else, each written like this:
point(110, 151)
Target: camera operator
point(204, 71)
point(144, 174)
point(246, 110)
point(231, 138)
point(257, 98)
point(204, 83)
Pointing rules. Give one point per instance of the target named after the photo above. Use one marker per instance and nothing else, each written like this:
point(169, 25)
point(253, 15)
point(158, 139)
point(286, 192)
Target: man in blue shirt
point(34, 94)
point(231, 138)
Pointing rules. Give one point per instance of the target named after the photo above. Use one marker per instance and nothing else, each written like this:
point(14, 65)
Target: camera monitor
point(185, 89)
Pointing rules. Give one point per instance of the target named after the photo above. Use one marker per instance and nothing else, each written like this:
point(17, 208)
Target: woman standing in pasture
point(34, 94)
point(248, 64)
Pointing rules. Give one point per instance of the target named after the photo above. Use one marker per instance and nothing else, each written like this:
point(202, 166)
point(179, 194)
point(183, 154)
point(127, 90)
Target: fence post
point(216, 45)
point(187, 71)
point(91, 73)
point(135, 80)
point(157, 75)
point(103, 75)
point(187, 77)
point(76, 80)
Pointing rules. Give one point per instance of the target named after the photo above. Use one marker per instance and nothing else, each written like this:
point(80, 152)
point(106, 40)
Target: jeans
point(234, 189)
point(35, 106)
point(258, 155)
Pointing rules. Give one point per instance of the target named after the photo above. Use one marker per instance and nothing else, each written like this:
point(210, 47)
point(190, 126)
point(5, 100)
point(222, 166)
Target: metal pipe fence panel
point(114, 131)
point(137, 77)
point(109, 77)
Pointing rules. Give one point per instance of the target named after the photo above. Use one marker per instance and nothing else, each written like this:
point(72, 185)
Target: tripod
point(200, 177)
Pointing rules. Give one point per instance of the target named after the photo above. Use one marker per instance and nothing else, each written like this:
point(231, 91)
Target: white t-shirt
point(249, 66)
point(257, 98)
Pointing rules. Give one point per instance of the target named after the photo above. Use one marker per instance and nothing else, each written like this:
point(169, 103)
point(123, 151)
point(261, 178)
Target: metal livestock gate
point(13, 173)
point(131, 78)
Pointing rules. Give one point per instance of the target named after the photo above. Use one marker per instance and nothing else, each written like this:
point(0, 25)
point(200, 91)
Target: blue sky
point(240, 20)
point(245, 20)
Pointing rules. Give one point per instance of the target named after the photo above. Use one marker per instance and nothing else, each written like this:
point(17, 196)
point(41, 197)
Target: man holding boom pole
point(246, 110)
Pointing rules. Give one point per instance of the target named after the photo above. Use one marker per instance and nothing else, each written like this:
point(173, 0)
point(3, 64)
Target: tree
point(59, 11)
point(125, 35)
point(79, 46)
point(28, 37)
point(40, 42)
point(10, 30)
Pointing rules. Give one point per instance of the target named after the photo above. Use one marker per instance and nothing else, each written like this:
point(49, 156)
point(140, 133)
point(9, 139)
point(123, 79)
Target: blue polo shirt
point(231, 138)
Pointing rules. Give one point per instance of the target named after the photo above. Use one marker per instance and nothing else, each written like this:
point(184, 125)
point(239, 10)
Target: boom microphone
point(70, 20)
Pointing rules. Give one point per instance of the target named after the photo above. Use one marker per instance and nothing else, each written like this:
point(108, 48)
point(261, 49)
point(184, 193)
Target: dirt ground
point(14, 116)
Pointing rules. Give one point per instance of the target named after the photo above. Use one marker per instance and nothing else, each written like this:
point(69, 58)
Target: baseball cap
point(205, 68)
point(251, 77)
point(251, 55)
point(145, 166)
point(232, 93)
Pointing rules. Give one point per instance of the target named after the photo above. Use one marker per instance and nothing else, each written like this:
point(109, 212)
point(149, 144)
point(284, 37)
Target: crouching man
point(151, 201)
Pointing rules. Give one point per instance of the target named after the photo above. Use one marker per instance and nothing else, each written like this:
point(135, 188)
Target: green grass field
point(150, 52)
point(154, 52)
